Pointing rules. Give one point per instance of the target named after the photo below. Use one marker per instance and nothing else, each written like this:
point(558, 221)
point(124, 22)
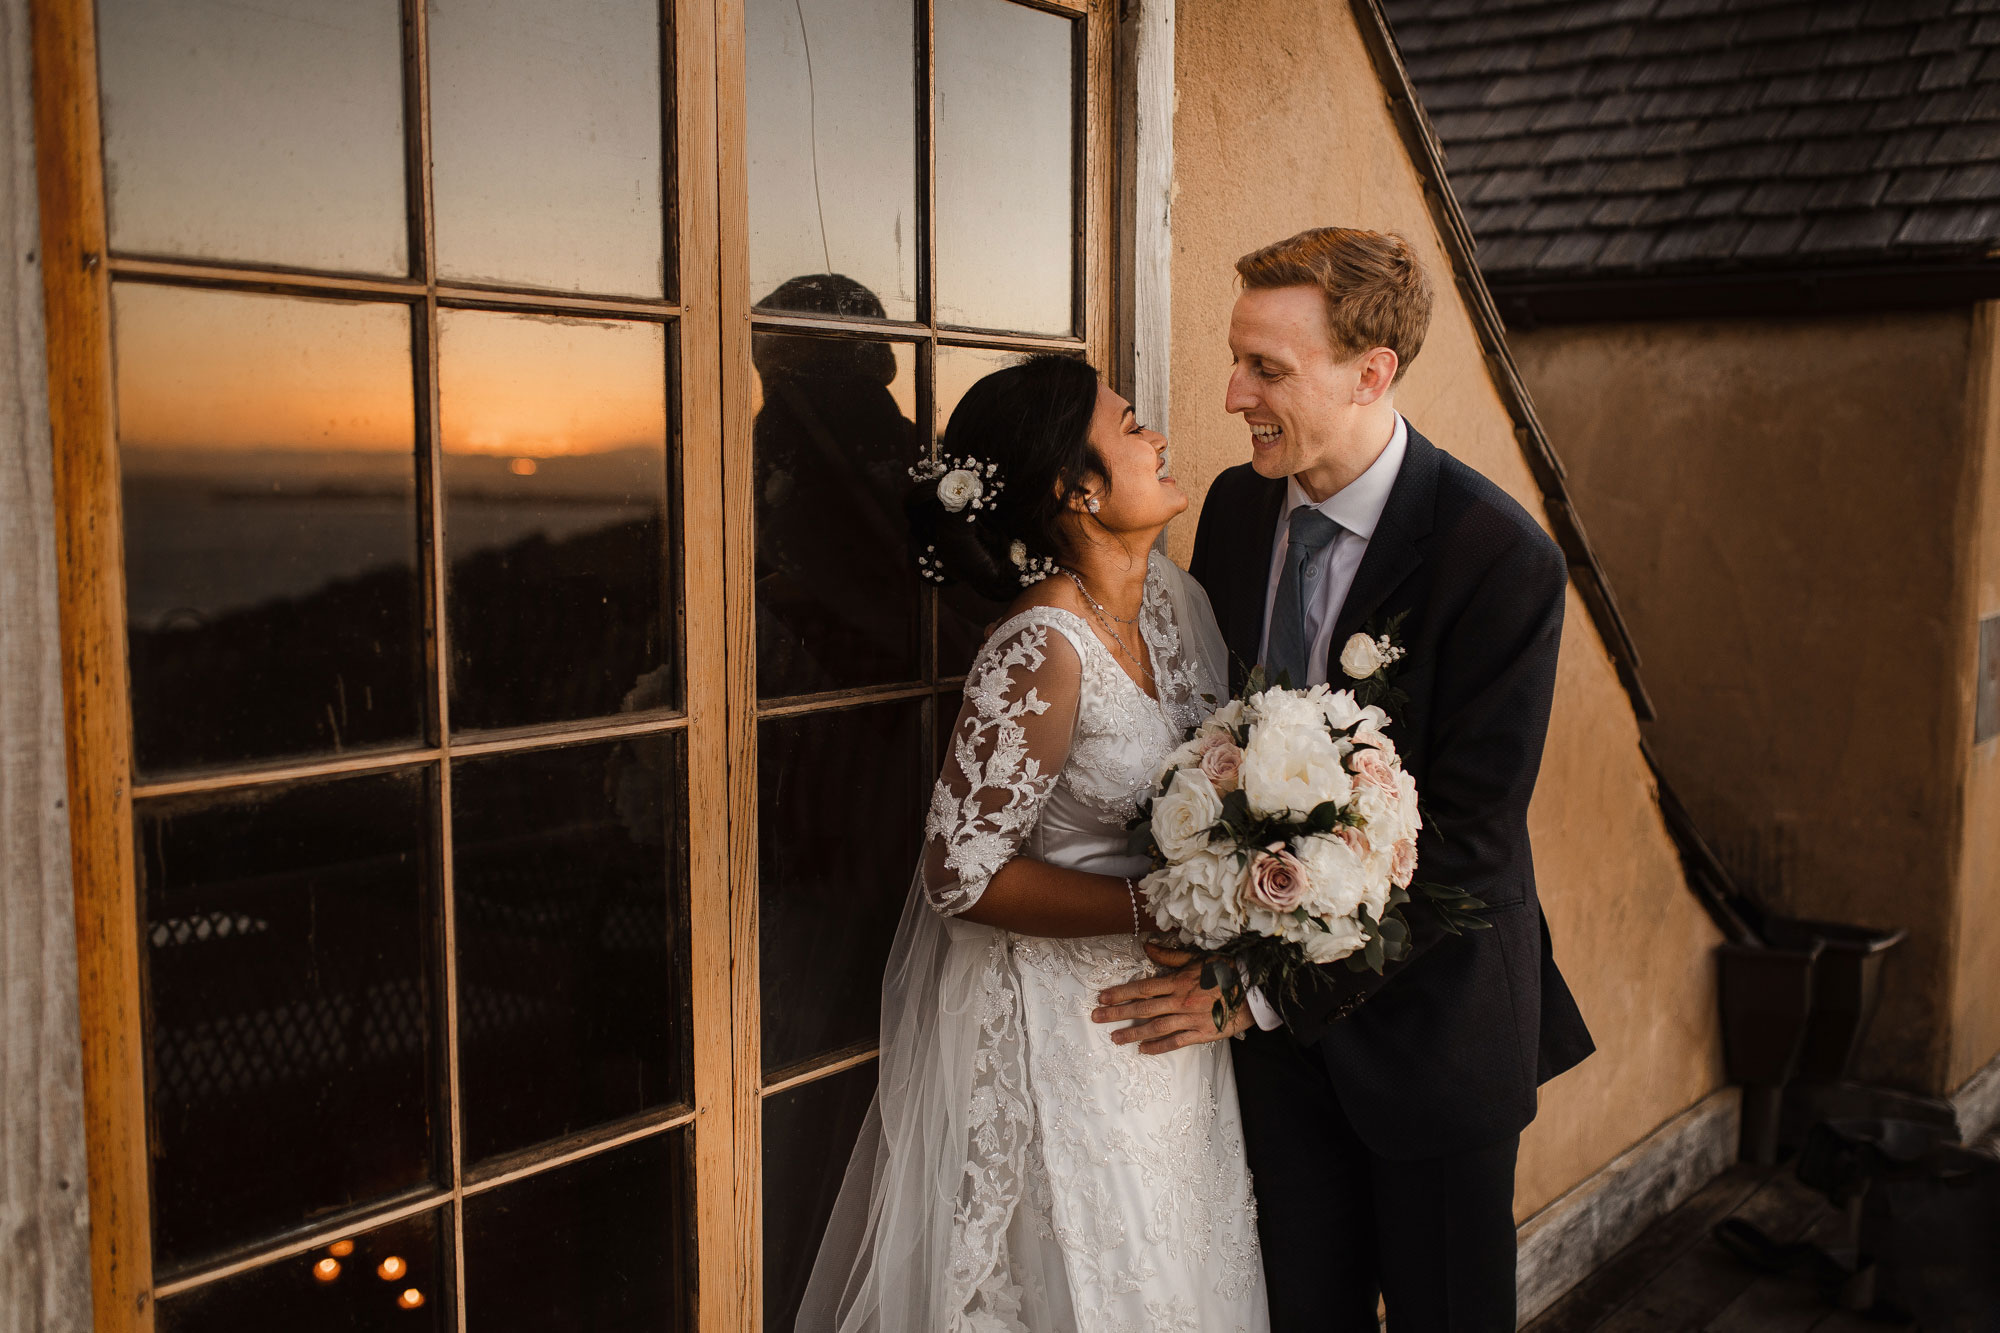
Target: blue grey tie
point(1306, 554)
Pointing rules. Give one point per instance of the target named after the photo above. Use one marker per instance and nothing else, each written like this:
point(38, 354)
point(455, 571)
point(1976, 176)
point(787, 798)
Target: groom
point(1383, 1113)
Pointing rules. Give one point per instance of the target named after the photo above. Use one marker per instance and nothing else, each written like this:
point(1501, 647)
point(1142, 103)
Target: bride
point(1021, 1172)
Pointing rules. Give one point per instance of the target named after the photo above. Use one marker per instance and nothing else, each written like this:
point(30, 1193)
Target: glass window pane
point(839, 603)
point(963, 614)
point(833, 155)
point(268, 133)
point(604, 1243)
point(1006, 218)
point(841, 800)
point(809, 1133)
point(290, 995)
point(562, 592)
point(569, 875)
point(393, 1277)
point(546, 161)
point(268, 446)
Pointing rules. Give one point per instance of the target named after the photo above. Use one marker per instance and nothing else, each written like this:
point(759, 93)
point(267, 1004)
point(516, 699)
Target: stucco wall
point(1780, 505)
point(1302, 137)
point(1975, 1028)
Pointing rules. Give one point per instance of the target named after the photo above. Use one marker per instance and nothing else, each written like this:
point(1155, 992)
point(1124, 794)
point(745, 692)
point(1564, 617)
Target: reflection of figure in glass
point(1020, 1170)
point(836, 603)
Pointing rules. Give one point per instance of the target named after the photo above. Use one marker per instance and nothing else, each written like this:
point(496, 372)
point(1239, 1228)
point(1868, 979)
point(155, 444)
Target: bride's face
point(1136, 493)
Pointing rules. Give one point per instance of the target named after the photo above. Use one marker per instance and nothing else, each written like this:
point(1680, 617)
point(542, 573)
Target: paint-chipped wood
point(44, 1215)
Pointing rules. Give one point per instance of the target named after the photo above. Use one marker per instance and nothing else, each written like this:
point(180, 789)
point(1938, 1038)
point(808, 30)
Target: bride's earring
point(1091, 504)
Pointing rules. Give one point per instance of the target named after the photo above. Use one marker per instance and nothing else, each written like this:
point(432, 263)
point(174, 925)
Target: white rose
point(1017, 551)
point(958, 488)
point(1183, 817)
point(1292, 769)
point(1340, 710)
point(1324, 946)
point(1361, 657)
point(1224, 719)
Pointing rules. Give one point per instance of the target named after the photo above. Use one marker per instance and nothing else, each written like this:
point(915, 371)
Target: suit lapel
point(1396, 549)
point(1250, 574)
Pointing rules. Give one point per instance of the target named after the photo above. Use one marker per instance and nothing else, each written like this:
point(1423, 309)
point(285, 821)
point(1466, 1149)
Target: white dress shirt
point(1357, 508)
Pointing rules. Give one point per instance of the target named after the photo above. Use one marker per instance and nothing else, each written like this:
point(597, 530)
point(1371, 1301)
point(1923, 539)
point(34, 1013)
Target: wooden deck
point(1676, 1278)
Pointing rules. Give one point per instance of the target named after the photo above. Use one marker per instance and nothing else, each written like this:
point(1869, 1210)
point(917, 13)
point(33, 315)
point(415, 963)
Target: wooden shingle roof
point(1592, 140)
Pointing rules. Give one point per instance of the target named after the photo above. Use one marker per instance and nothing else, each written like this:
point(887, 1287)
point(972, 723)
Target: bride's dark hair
point(1032, 423)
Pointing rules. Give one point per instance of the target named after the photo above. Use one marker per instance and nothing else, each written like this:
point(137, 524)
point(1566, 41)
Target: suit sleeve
point(1201, 564)
point(1495, 682)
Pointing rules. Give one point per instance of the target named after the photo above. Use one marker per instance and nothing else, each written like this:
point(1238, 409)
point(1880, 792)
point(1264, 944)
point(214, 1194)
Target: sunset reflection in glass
point(546, 131)
point(268, 133)
point(560, 582)
point(268, 447)
point(1006, 216)
point(833, 148)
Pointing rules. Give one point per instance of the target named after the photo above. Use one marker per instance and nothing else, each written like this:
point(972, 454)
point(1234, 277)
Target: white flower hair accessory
point(1034, 568)
point(963, 483)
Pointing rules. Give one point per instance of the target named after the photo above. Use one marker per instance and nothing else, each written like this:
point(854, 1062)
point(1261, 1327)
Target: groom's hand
point(1170, 1010)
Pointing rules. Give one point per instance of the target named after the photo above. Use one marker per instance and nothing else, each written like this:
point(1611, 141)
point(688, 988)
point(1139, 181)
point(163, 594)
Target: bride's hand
point(1170, 1010)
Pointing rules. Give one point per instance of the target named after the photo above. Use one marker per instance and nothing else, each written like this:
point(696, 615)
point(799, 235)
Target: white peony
point(1200, 898)
point(1361, 657)
point(958, 488)
point(1340, 877)
point(1293, 768)
point(1183, 817)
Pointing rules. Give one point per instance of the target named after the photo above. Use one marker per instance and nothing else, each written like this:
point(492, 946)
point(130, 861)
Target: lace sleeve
point(1007, 750)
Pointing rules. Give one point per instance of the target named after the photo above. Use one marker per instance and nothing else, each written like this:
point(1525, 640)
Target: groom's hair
point(1376, 292)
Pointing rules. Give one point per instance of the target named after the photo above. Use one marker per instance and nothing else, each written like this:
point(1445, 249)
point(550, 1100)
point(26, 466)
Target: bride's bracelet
point(1132, 892)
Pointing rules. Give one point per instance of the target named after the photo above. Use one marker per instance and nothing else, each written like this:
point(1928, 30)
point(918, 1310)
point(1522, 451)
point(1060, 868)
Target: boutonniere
point(1370, 659)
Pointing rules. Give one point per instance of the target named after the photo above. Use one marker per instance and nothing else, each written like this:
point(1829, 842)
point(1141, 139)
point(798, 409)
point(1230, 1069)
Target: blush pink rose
point(1403, 862)
point(1357, 842)
point(1222, 763)
point(1370, 767)
point(1278, 880)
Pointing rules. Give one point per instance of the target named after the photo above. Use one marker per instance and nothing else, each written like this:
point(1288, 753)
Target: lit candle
point(340, 1249)
point(410, 1299)
point(326, 1270)
point(391, 1268)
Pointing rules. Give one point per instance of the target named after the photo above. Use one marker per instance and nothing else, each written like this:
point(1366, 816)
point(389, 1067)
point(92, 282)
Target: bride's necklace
point(1105, 618)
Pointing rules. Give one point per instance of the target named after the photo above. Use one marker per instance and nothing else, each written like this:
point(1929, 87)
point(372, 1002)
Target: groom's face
point(1295, 390)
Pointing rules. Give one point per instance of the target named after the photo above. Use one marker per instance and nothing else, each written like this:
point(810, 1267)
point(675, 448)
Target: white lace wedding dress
point(1019, 1171)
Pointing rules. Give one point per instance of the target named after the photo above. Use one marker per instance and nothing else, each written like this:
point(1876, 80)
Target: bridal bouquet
point(1283, 834)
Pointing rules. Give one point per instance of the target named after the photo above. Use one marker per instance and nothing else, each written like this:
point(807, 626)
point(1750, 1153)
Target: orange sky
point(206, 369)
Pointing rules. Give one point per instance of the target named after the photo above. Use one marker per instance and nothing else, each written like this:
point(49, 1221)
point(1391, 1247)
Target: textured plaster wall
point(1783, 508)
point(1975, 1028)
point(1302, 137)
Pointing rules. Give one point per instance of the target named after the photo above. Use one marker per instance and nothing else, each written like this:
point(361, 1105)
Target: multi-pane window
point(916, 210)
point(532, 706)
point(395, 337)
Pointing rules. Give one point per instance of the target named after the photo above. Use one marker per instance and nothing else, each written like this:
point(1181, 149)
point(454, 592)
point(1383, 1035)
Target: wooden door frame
point(1097, 173)
point(97, 726)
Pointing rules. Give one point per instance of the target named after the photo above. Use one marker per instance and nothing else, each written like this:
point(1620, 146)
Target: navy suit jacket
point(1444, 1050)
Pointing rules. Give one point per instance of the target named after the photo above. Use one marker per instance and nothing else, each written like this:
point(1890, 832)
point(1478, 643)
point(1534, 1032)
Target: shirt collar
point(1358, 506)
